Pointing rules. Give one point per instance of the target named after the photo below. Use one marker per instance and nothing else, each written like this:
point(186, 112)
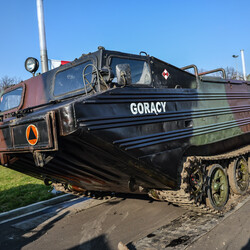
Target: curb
point(35, 206)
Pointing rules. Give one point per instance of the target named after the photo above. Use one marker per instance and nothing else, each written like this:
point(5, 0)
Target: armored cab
point(117, 122)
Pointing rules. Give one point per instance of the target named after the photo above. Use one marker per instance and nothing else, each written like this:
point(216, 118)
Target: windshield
point(140, 72)
point(11, 99)
point(71, 79)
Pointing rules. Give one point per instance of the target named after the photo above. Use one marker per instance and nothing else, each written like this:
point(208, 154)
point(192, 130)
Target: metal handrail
point(213, 71)
point(191, 66)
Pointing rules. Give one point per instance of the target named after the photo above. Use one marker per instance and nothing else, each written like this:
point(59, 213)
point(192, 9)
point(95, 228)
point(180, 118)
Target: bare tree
point(233, 74)
point(7, 81)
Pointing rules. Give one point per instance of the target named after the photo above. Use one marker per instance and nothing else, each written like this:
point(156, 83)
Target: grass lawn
point(17, 190)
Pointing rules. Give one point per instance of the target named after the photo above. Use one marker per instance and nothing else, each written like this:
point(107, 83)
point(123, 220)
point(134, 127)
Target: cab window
point(11, 99)
point(140, 72)
point(71, 80)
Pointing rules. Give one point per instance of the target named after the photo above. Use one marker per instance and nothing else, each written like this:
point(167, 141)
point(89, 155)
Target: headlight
point(31, 64)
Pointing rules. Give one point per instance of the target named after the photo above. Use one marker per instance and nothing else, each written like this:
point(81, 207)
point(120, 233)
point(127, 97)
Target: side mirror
point(123, 74)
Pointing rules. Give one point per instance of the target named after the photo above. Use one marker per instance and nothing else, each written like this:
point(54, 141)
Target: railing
point(213, 71)
point(191, 66)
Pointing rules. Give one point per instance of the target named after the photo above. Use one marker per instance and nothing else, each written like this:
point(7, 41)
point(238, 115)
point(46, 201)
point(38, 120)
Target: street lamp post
point(42, 37)
point(243, 65)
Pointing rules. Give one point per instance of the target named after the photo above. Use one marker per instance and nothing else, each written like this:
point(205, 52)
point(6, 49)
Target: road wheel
point(238, 176)
point(218, 188)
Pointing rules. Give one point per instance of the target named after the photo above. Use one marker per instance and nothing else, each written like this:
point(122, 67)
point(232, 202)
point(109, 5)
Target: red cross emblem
point(165, 74)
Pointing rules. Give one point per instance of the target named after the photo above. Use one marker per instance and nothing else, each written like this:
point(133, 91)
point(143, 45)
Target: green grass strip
point(18, 190)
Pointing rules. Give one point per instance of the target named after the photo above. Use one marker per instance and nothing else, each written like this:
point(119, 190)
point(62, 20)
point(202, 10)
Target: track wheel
point(238, 176)
point(218, 188)
point(196, 183)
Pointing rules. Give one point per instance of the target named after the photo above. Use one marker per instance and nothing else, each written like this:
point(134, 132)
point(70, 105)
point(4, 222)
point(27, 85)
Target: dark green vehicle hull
point(129, 138)
point(109, 145)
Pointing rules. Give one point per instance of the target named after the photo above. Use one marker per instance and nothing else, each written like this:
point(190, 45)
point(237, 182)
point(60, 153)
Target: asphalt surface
point(203, 231)
point(101, 227)
point(232, 233)
point(138, 222)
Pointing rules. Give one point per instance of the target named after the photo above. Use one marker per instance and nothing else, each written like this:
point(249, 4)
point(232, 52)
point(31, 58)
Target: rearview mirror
point(123, 74)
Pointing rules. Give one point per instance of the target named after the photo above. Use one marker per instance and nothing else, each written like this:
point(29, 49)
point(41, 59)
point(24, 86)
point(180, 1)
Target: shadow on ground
point(99, 242)
point(19, 237)
point(247, 246)
point(20, 233)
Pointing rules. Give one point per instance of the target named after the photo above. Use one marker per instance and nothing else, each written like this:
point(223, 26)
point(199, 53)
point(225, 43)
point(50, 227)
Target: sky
point(181, 32)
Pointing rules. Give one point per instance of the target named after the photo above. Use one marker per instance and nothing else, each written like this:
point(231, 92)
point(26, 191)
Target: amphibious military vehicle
point(118, 122)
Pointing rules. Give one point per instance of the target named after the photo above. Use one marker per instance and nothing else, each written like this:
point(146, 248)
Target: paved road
point(101, 227)
point(139, 223)
point(205, 231)
point(232, 233)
